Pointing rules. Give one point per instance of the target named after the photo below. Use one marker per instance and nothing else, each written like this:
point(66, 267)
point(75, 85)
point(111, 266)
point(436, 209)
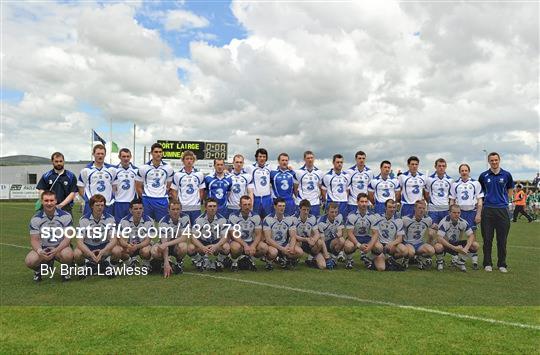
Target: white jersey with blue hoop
point(358, 182)
point(309, 182)
point(169, 229)
point(452, 231)
point(240, 184)
point(329, 229)
point(260, 179)
point(415, 229)
point(388, 229)
point(248, 225)
point(282, 183)
point(155, 179)
point(439, 192)
point(305, 229)
point(280, 229)
point(466, 193)
point(125, 183)
point(93, 231)
point(98, 181)
point(41, 224)
point(412, 187)
point(135, 233)
point(336, 186)
point(361, 224)
point(384, 189)
point(188, 185)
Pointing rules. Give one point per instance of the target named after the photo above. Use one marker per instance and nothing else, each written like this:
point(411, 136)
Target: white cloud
point(181, 20)
point(326, 77)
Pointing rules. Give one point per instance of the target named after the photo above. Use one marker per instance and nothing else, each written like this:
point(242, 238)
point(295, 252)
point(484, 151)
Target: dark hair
point(440, 160)
point(304, 203)
point(467, 165)
point(124, 150)
point(188, 153)
point(454, 206)
point(174, 202)
point(388, 201)
point(208, 200)
point(98, 146)
point(216, 160)
point(135, 201)
point(245, 197)
point(337, 156)
point(358, 153)
point(308, 152)
point(385, 162)
point(332, 205)
point(413, 158)
point(48, 193)
point(282, 155)
point(156, 145)
point(96, 198)
point(261, 151)
point(278, 200)
point(57, 154)
point(361, 195)
point(494, 153)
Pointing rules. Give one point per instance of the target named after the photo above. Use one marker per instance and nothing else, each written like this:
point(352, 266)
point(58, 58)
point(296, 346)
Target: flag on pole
point(114, 148)
point(97, 138)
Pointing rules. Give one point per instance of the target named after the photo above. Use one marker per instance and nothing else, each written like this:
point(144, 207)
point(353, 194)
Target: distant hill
point(28, 160)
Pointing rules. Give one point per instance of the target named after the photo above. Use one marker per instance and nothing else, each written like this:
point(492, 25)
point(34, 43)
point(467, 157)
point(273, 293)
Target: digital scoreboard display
point(202, 150)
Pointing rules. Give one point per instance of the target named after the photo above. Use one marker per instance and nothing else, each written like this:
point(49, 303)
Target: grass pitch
point(304, 310)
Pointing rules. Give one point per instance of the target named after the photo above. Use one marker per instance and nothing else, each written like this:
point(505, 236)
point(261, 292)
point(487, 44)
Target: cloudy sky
point(390, 78)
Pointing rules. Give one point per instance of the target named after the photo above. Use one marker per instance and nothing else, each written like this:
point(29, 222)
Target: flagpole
point(91, 143)
point(110, 140)
point(134, 130)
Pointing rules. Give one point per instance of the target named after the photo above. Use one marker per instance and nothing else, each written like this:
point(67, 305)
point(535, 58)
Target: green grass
point(191, 313)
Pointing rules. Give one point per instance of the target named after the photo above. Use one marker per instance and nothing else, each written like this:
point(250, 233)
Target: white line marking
point(363, 300)
point(353, 298)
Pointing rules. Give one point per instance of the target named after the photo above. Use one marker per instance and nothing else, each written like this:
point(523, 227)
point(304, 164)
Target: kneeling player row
point(382, 240)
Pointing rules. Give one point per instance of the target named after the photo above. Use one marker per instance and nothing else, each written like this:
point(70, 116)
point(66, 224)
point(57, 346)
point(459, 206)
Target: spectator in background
point(60, 181)
point(520, 199)
point(536, 181)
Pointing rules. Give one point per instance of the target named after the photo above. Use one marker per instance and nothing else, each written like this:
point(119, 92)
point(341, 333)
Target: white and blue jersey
point(240, 182)
point(282, 182)
point(383, 189)
point(309, 182)
point(336, 186)
point(388, 229)
point(135, 232)
point(93, 231)
point(452, 231)
point(260, 179)
point(188, 185)
point(280, 229)
point(412, 187)
point(97, 181)
point(218, 188)
point(329, 229)
point(358, 182)
point(415, 229)
point(155, 179)
point(209, 231)
point(41, 224)
point(125, 190)
point(466, 194)
point(248, 225)
point(305, 229)
point(361, 225)
point(171, 229)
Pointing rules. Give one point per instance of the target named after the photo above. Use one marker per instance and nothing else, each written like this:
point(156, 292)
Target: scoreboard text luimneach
point(202, 150)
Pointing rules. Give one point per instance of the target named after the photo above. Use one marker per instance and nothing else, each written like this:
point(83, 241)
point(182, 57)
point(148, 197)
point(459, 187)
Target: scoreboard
point(202, 150)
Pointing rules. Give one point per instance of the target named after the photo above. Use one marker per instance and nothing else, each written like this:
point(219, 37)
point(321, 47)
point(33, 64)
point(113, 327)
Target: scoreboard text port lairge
point(202, 150)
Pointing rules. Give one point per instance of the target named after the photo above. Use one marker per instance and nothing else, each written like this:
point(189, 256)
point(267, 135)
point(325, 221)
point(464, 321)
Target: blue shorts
point(416, 246)
point(363, 239)
point(437, 216)
point(108, 209)
point(343, 208)
point(407, 210)
point(193, 215)
point(207, 242)
point(223, 212)
point(469, 217)
point(328, 248)
point(290, 207)
point(263, 206)
point(121, 209)
point(96, 247)
point(351, 209)
point(380, 208)
point(155, 207)
point(306, 248)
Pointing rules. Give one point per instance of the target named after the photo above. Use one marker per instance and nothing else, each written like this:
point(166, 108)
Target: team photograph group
point(148, 219)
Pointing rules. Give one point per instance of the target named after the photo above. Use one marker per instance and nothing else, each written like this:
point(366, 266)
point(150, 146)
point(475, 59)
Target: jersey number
point(441, 192)
point(236, 188)
point(284, 185)
point(465, 195)
point(219, 194)
point(416, 189)
point(101, 185)
point(190, 190)
point(125, 185)
point(156, 182)
point(263, 181)
point(310, 186)
point(340, 188)
point(386, 193)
